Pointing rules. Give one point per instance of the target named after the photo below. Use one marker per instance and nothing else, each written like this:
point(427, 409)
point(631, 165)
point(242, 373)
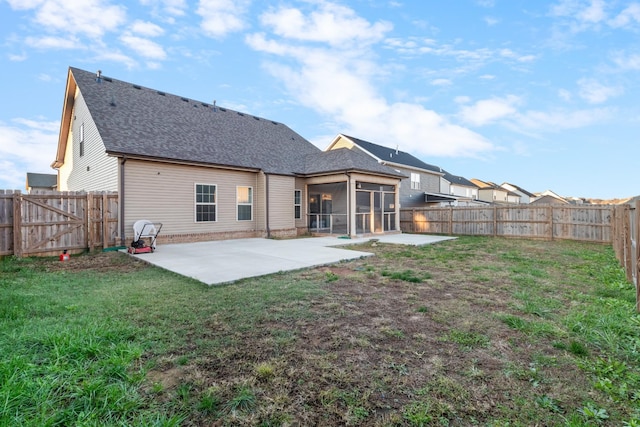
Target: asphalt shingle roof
point(343, 159)
point(138, 121)
point(458, 180)
point(392, 155)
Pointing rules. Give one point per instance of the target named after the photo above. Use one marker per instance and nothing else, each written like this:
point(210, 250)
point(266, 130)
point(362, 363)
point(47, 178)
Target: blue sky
point(542, 94)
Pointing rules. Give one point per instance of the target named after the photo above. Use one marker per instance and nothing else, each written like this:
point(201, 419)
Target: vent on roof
point(108, 79)
point(136, 87)
point(195, 105)
point(240, 114)
point(185, 99)
point(222, 109)
point(161, 93)
point(275, 123)
point(98, 76)
point(205, 104)
point(257, 118)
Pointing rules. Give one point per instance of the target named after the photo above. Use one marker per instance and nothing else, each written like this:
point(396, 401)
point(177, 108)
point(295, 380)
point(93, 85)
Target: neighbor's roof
point(520, 189)
point(458, 180)
point(141, 122)
point(386, 154)
point(41, 180)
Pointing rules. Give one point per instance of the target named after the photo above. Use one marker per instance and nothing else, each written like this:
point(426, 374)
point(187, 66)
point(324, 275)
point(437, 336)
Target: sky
point(541, 94)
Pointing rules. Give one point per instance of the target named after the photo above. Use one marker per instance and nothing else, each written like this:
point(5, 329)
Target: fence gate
point(47, 223)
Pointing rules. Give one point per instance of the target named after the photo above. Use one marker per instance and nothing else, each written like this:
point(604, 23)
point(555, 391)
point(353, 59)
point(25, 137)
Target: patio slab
point(224, 261)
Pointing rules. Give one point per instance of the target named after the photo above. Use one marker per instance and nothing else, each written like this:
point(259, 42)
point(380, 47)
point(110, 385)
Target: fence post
point(450, 220)
point(550, 208)
point(495, 220)
point(105, 222)
point(17, 224)
point(89, 221)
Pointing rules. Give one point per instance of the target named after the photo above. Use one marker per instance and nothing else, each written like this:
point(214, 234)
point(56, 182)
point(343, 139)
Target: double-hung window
point(415, 181)
point(205, 202)
point(297, 204)
point(244, 201)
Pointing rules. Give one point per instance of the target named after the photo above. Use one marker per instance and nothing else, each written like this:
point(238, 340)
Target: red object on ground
point(142, 250)
point(64, 256)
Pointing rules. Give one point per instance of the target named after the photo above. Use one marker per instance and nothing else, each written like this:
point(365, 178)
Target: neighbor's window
point(205, 202)
point(297, 204)
point(82, 140)
point(244, 199)
point(415, 181)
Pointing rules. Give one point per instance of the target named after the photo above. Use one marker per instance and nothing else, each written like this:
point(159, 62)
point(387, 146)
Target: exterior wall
point(464, 191)
point(161, 192)
point(486, 194)
point(281, 212)
point(513, 199)
point(94, 171)
point(429, 183)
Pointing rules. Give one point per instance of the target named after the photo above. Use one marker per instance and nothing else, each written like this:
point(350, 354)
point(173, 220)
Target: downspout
point(122, 236)
point(266, 205)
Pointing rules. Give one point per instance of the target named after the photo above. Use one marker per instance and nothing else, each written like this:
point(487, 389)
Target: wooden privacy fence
point(46, 223)
point(626, 242)
point(584, 223)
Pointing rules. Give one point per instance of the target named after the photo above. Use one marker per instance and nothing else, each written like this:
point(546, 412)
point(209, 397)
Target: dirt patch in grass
point(98, 261)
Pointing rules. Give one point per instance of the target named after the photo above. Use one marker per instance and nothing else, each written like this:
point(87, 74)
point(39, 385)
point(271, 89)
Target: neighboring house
point(41, 181)
point(525, 196)
point(207, 172)
point(493, 193)
point(548, 197)
point(465, 191)
point(422, 185)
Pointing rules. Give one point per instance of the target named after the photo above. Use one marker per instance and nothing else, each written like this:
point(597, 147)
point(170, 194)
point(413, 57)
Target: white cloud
point(334, 24)
point(17, 58)
point(92, 19)
point(557, 120)
point(441, 82)
point(26, 146)
point(490, 21)
point(629, 16)
point(50, 42)
point(594, 92)
point(171, 7)
point(337, 81)
point(144, 47)
point(564, 94)
point(627, 62)
point(148, 29)
point(220, 17)
point(115, 56)
point(489, 110)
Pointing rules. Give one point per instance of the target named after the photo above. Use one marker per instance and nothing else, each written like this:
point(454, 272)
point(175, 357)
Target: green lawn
point(473, 331)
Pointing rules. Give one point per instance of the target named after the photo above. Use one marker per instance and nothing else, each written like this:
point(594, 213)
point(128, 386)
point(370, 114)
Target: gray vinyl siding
point(281, 202)
point(94, 171)
point(429, 183)
point(165, 193)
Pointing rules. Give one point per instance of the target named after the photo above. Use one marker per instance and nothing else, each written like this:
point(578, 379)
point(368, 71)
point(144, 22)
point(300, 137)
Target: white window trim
point(297, 204)
point(196, 203)
point(244, 204)
point(415, 183)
